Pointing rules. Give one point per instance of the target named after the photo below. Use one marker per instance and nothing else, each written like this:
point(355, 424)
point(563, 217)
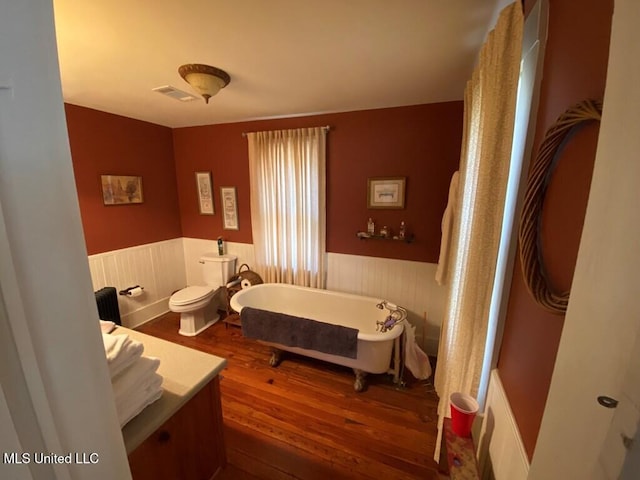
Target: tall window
point(288, 205)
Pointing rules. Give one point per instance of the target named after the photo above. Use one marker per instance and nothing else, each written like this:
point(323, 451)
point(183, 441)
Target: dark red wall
point(420, 142)
point(574, 69)
point(102, 143)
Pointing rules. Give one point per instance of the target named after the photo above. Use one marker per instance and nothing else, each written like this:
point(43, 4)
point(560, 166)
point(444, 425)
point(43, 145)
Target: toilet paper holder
point(245, 277)
point(131, 291)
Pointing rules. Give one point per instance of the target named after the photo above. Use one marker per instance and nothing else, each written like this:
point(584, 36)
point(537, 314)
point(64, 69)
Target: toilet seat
point(190, 295)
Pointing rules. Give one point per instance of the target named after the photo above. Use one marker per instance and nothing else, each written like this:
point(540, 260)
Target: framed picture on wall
point(386, 192)
point(121, 189)
point(205, 193)
point(229, 208)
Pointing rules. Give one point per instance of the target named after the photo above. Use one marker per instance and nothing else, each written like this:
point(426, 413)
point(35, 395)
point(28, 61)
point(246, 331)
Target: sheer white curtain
point(288, 205)
point(489, 107)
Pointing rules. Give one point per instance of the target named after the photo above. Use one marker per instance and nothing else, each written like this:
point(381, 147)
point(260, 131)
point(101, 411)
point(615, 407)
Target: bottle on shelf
point(371, 227)
point(384, 232)
point(402, 232)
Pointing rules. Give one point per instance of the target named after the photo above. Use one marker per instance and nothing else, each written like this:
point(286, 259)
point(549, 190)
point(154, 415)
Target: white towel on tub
point(447, 226)
point(414, 358)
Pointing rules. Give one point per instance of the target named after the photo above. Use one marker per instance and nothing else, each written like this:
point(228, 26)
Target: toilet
point(198, 305)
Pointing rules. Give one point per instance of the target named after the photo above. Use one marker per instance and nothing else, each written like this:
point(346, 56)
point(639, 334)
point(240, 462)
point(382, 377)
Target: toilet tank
point(217, 269)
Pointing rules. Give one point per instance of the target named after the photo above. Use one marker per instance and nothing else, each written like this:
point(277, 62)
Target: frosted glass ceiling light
point(206, 80)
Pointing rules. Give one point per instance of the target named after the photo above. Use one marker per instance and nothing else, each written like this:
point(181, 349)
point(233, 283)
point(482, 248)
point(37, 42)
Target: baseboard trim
point(145, 314)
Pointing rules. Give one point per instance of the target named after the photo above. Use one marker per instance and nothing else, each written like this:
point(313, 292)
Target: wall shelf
point(366, 236)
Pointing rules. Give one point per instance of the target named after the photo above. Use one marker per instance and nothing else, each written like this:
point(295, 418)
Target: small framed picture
point(386, 192)
point(121, 189)
point(229, 208)
point(205, 193)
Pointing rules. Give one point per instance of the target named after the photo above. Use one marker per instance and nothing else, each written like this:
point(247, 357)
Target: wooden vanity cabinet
point(188, 446)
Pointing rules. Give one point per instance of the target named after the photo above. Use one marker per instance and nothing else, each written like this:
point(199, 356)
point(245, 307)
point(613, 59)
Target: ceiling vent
point(173, 92)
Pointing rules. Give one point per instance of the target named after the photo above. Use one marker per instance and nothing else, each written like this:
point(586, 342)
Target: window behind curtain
point(288, 205)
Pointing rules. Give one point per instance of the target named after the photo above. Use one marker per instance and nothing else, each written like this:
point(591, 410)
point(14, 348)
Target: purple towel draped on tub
point(299, 332)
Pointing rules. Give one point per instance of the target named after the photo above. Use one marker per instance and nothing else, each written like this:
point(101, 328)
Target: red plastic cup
point(463, 411)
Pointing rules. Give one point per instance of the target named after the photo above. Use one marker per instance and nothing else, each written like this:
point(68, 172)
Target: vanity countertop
point(184, 370)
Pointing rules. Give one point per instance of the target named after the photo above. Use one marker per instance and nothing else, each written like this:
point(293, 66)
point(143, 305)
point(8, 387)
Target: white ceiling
point(285, 57)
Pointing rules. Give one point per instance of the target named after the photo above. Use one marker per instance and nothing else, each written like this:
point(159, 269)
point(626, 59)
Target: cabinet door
point(190, 445)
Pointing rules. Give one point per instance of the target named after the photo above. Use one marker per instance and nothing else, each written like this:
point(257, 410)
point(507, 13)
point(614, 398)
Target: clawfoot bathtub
point(374, 348)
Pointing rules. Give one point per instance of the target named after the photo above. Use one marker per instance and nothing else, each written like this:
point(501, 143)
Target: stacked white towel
point(134, 379)
point(121, 352)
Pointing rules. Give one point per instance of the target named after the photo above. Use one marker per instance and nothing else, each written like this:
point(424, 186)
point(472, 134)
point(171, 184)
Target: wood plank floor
point(303, 420)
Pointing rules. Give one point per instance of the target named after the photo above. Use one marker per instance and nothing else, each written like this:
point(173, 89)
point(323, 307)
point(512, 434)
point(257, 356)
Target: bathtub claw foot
point(360, 382)
point(276, 357)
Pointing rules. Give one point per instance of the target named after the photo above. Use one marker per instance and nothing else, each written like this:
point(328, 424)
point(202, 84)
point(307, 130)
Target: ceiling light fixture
point(206, 80)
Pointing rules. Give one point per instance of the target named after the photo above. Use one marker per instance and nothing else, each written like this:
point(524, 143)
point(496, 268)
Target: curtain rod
point(325, 127)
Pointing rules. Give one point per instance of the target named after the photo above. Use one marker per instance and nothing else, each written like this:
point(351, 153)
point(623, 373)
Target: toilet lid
point(190, 295)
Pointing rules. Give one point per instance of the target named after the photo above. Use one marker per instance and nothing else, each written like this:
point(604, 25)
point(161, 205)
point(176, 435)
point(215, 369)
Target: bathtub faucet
point(396, 315)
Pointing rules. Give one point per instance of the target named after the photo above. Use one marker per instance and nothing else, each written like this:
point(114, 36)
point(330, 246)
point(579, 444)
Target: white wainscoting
point(158, 267)
point(406, 283)
point(165, 267)
point(501, 453)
